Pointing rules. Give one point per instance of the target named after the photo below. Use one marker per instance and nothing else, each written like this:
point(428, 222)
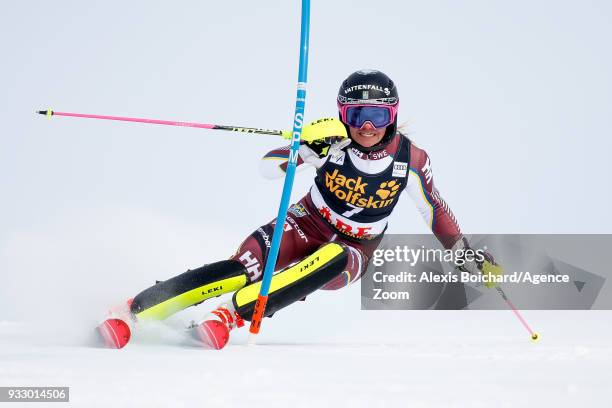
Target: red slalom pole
point(49, 113)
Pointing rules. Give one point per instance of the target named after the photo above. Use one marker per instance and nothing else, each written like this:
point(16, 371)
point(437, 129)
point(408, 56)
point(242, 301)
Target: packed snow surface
point(339, 358)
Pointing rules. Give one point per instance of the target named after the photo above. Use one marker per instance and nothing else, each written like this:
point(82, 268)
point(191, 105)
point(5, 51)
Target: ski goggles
point(357, 115)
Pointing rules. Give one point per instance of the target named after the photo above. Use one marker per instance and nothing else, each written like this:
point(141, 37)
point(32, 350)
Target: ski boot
point(213, 331)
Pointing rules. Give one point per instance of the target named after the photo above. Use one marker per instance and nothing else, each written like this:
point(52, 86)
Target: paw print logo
point(387, 189)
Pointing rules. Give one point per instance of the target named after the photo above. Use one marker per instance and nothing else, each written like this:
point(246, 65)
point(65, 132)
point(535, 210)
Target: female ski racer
point(329, 235)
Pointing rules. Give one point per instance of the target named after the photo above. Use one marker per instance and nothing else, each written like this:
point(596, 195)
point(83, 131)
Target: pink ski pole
point(534, 336)
point(50, 113)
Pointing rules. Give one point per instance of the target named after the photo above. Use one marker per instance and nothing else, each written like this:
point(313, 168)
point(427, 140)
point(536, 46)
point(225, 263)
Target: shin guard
point(187, 289)
point(295, 282)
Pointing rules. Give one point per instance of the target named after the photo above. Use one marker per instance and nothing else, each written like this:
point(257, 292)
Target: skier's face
point(367, 135)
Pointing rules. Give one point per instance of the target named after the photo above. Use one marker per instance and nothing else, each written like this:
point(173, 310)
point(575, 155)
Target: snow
point(343, 357)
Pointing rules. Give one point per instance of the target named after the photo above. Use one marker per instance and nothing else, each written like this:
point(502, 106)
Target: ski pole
point(298, 119)
point(534, 336)
point(49, 113)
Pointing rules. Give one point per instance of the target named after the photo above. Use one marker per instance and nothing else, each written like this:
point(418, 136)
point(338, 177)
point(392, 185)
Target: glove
point(486, 266)
point(316, 152)
point(328, 146)
point(320, 129)
point(491, 269)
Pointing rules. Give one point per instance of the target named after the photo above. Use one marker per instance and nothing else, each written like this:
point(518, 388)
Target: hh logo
point(427, 171)
point(252, 264)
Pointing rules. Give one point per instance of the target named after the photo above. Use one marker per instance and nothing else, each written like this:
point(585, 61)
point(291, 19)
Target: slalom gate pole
point(49, 113)
point(298, 120)
point(534, 336)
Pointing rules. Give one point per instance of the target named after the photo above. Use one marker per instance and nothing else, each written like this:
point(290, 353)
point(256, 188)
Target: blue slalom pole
point(298, 120)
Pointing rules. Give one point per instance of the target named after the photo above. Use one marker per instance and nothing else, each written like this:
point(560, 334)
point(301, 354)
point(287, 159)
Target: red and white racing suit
point(350, 201)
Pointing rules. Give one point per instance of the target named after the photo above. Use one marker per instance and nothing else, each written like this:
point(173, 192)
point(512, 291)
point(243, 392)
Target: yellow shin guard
point(296, 281)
